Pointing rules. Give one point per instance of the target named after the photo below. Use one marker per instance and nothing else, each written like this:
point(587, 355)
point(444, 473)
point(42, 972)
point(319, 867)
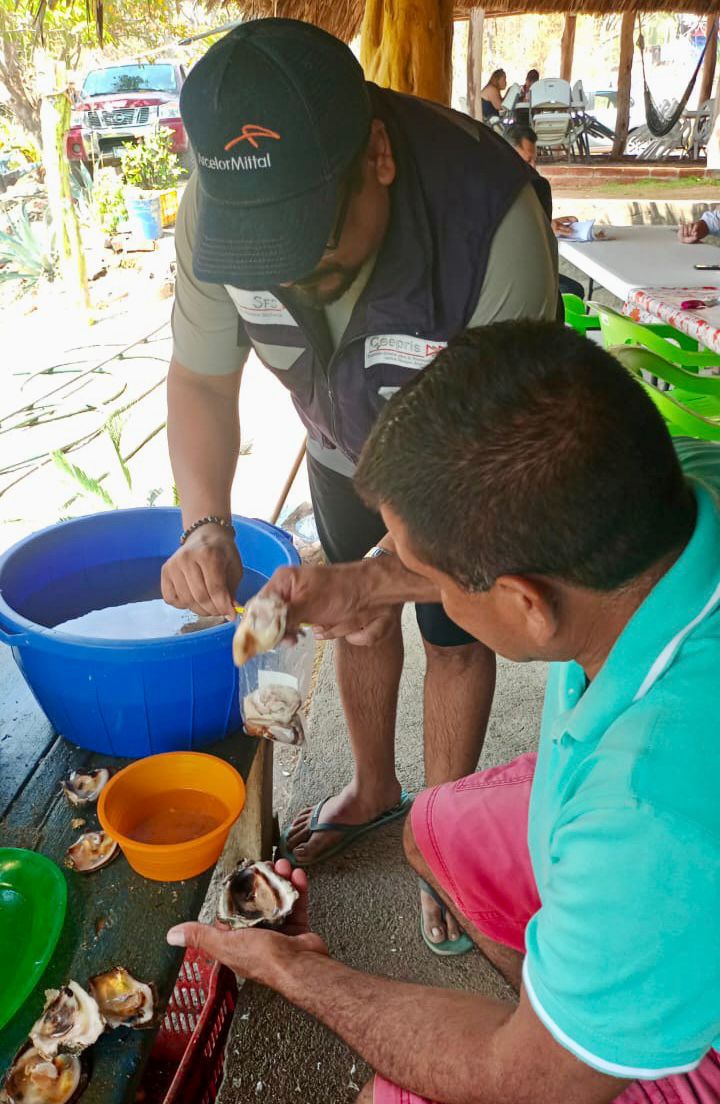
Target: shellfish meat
point(91, 851)
point(273, 712)
point(261, 629)
point(33, 1079)
point(83, 787)
point(122, 999)
point(71, 1021)
point(255, 894)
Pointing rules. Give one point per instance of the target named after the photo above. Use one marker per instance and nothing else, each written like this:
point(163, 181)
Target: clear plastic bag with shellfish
point(274, 674)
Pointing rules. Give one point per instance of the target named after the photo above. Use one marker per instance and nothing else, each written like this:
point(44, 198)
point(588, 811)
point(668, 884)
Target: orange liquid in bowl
point(176, 816)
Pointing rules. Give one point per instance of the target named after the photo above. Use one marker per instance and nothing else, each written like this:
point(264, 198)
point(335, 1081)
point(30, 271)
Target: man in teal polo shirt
point(590, 874)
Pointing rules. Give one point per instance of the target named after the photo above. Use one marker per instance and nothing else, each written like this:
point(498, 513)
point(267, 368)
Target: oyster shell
point(33, 1079)
point(70, 1022)
point(91, 851)
point(261, 629)
point(122, 999)
point(255, 894)
point(83, 787)
point(273, 712)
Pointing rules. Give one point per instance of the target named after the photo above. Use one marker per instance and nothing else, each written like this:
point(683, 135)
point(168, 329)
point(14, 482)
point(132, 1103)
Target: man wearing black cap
point(346, 233)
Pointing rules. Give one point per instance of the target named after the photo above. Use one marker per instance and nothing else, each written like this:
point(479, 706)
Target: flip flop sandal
point(448, 947)
point(350, 832)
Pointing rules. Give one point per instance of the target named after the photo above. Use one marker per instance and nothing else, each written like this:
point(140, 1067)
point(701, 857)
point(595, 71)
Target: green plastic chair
point(665, 341)
point(691, 406)
point(576, 314)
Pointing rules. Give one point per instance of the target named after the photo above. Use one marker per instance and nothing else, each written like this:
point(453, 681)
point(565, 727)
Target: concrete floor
point(364, 902)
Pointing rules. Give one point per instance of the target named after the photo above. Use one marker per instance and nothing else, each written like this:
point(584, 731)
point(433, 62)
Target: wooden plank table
point(640, 256)
point(114, 916)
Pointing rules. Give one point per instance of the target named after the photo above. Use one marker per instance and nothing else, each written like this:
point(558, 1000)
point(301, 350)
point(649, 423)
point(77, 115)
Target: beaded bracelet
point(213, 519)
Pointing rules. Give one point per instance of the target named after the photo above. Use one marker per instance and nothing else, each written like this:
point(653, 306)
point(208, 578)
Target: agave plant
point(25, 248)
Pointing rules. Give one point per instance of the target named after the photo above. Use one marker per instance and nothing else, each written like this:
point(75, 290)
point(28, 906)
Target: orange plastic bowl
point(172, 813)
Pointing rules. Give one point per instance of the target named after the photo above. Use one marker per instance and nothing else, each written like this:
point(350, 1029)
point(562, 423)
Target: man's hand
point(562, 227)
point(344, 600)
point(257, 953)
point(690, 233)
point(204, 574)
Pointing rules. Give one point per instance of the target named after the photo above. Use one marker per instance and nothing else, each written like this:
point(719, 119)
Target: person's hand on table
point(562, 227)
point(689, 233)
point(256, 954)
point(204, 574)
point(338, 601)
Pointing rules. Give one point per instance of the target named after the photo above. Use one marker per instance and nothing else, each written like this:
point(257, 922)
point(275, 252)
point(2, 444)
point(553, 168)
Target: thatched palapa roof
point(344, 17)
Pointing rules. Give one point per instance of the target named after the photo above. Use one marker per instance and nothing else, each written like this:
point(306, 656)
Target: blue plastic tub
point(125, 698)
point(144, 216)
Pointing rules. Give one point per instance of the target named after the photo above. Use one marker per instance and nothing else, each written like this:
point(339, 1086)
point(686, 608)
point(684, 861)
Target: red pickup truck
point(124, 103)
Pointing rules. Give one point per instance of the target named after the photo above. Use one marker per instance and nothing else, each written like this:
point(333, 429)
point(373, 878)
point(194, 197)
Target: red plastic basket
point(186, 1063)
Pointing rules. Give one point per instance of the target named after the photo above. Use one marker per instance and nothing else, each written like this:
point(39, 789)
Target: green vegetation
point(650, 186)
point(25, 248)
point(151, 164)
point(108, 201)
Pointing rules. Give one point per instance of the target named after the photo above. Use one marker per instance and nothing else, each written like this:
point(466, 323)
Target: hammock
point(658, 124)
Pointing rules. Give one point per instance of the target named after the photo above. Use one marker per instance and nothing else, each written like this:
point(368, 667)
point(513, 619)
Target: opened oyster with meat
point(261, 628)
point(273, 712)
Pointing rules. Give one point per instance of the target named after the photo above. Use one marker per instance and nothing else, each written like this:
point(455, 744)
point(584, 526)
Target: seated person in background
point(532, 485)
point(491, 94)
point(524, 140)
point(690, 233)
point(532, 78)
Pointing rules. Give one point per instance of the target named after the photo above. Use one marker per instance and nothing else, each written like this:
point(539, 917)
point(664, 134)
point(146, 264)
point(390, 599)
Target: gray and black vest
point(456, 180)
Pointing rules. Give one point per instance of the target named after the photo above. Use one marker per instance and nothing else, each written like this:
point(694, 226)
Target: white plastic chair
point(551, 116)
point(578, 101)
point(550, 94)
point(510, 98)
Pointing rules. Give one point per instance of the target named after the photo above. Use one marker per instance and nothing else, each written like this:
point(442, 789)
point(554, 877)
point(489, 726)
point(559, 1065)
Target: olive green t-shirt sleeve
point(207, 331)
point(521, 279)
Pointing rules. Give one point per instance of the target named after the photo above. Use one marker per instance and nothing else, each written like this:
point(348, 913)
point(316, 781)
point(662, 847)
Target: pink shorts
point(500, 897)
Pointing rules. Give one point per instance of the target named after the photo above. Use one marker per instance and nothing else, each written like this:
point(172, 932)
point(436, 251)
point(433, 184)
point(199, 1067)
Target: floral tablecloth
point(662, 304)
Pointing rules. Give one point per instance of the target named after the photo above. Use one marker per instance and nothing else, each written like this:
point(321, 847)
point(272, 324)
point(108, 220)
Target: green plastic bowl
point(33, 899)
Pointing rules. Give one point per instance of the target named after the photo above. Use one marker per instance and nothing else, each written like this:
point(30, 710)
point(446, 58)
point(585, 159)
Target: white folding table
point(641, 256)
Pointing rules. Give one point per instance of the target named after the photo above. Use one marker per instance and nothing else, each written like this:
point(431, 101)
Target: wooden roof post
point(713, 146)
point(408, 47)
point(567, 47)
point(708, 73)
point(476, 26)
point(627, 44)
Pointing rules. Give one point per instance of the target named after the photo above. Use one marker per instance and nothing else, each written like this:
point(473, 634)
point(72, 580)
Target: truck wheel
point(187, 161)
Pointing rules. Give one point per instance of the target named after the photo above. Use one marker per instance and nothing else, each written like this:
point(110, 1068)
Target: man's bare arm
point(204, 440)
point(442, 1044)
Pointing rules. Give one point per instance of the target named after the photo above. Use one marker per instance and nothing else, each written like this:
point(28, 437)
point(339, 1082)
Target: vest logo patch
point(401, 350)
point(260, 308)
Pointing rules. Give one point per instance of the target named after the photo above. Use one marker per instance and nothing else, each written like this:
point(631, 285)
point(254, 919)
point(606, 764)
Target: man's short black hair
point(526, 449)
point(519, 133)
point(532, 75)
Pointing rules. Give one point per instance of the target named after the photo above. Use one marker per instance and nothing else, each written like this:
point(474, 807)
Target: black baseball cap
point(276, 112)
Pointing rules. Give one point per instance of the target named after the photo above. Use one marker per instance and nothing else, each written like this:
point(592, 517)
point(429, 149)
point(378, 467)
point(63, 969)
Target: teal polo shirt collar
point(685, 595)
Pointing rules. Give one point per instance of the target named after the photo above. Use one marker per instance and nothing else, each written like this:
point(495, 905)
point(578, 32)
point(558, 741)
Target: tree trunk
point(13, 75)
point(713, 146)
point(476, 26)
point(54, 122)
point(627, 43)
point(567, 47)
point(407, 46)
point(708, 73)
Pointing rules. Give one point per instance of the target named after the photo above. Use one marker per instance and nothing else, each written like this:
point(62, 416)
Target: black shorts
point(348, 530)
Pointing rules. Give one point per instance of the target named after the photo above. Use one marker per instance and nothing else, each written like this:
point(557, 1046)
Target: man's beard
point(308, 293)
